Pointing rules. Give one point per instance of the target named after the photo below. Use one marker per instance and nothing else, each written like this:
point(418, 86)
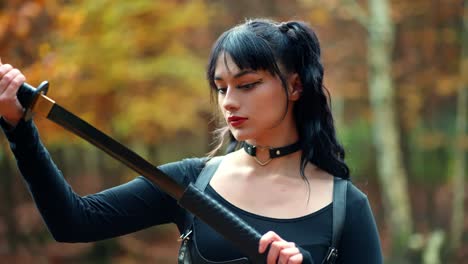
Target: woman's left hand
point(280, 251)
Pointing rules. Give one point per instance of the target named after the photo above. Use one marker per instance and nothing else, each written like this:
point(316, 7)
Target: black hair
point(262, 44)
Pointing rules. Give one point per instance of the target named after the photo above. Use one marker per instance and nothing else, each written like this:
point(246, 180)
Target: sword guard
point(27, 95)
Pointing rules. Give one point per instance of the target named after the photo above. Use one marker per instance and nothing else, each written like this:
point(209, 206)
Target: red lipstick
point(236, 121)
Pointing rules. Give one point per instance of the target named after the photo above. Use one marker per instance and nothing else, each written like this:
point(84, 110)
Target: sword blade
point(36, 102)
point(198, 203)
point(46, 107)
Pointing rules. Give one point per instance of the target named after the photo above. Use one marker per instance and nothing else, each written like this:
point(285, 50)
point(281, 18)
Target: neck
point(264, 155)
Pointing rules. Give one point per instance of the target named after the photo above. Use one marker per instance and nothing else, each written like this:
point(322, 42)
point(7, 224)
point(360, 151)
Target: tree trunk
point(458, 180)
point(390, 169)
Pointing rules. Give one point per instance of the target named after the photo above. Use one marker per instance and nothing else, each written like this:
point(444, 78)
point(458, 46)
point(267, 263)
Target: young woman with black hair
point(279, 173)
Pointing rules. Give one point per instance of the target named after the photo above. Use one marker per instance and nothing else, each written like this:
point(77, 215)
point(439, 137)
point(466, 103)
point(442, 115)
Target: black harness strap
point(340, 187)
point(201, 182)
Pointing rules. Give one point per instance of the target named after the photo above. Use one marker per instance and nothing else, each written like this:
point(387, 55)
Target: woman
point(278, 175)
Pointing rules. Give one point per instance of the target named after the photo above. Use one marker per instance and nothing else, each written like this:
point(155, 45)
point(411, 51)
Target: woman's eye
point(249, 85)
point(221, 90)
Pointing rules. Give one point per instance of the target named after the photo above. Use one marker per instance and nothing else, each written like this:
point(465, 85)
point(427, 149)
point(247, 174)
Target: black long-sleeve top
point(139, 204)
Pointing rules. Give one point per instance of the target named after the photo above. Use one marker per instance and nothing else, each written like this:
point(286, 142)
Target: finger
point(275, 249)
point(12, 110)
point(14, 85)
point(273, 253)
point(287, 253)
point(296, 259)
point(266, 239)
point(8, 78)
point(4, 69)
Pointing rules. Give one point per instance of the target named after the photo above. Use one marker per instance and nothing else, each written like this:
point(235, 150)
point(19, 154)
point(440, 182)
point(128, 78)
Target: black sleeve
point(113, 212)
point(306, 257)
point(360, 241)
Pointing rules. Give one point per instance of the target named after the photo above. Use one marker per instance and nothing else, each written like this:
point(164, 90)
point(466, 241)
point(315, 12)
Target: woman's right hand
point(10, 81)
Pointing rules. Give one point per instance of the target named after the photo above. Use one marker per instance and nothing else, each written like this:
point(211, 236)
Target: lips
point(236, 120)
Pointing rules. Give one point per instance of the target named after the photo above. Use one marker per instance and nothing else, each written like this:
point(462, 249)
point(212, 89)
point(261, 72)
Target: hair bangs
point(247, 50)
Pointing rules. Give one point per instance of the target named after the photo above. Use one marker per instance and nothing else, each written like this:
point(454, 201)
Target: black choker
point(274, 152)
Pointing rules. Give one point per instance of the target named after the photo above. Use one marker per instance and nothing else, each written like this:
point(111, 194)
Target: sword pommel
point(28, 95)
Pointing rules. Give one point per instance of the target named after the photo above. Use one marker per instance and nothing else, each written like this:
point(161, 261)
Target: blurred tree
point(459, 170)
point(386, 127)
point(389, 160)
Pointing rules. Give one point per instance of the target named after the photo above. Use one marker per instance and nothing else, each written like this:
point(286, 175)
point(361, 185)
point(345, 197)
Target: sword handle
point(225, 222)
point(27, 94)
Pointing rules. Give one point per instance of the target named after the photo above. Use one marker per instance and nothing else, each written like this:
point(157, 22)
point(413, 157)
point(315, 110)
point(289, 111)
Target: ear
point(295, 87)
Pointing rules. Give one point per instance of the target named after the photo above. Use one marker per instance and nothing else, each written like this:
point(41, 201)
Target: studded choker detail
point(274, 152)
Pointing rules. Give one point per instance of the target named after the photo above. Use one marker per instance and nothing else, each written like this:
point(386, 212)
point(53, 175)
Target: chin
point(238, 135)
point(241, 135)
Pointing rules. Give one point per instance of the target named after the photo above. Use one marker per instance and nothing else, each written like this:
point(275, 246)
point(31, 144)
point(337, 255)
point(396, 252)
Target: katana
point(234, 229)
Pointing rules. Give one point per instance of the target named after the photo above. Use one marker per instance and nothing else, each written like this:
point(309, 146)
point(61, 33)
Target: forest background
point(397, 72)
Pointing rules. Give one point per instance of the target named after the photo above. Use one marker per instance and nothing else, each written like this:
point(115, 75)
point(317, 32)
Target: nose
point(230, 100)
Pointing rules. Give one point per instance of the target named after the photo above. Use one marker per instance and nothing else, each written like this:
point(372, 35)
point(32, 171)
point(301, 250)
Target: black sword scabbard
point(198, 203)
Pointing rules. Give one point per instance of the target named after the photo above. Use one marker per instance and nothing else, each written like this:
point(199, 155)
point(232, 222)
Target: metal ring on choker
point(274, 152)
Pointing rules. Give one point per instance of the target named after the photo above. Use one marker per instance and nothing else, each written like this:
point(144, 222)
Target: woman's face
point(253, 103)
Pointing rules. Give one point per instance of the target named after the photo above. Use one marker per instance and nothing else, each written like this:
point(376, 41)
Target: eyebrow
point(237, 75)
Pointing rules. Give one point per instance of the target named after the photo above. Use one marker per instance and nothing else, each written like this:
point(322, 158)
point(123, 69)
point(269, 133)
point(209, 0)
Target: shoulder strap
point(340, 187)
point(201, 182)
point(207, 173)
point(339, 209)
